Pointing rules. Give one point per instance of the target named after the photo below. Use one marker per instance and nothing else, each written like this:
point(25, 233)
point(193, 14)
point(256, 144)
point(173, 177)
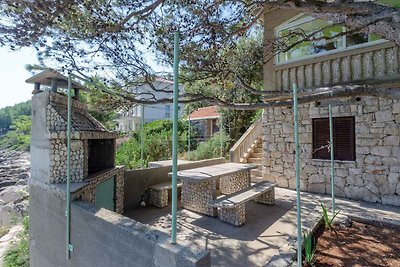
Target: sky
point(13, 74)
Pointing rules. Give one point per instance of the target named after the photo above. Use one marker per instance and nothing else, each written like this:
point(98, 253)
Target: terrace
point(268, 233)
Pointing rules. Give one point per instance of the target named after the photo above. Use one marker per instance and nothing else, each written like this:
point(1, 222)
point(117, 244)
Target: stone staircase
point(254, 156)
point(248, 149)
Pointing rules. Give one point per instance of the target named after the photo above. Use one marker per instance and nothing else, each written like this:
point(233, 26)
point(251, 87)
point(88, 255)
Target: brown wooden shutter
point(320, 138)
point(344, 138)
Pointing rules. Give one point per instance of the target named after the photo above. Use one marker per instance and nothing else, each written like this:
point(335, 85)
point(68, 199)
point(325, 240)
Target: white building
point(131, 120)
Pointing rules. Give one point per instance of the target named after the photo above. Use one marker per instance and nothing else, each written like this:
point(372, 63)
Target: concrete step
point(254, 160)
point(256, 172)
point(257, 150)
point(256, 179)
point(256, 155)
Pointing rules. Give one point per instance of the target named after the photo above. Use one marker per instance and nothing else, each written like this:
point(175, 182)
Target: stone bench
point(231, 208)
point(159, 194)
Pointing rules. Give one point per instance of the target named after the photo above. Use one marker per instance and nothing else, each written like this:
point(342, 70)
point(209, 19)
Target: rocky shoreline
point(14, 175)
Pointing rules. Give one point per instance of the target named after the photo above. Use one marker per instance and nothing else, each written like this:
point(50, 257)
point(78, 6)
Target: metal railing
point(243, 145)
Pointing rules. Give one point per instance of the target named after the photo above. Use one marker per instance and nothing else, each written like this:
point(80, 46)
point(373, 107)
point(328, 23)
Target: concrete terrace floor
point(267, 228)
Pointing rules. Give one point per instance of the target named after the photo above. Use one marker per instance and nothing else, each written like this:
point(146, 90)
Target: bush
point(18, 254)
point(157, 144)
point(211, 148)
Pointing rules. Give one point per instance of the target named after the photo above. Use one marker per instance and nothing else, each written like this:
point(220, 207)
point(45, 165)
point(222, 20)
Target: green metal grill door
point(105, 194)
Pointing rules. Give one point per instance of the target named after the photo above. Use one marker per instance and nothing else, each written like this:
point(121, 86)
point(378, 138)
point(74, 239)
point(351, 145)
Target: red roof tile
point(204, 113)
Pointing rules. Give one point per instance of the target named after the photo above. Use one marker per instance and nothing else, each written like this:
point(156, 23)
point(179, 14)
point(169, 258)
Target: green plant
point(211, 148)
point(157, 144)
point(309, 250)
point(18, 254)
point(327, 219)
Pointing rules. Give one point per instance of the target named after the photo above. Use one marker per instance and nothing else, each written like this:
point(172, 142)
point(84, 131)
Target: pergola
point(76, 86)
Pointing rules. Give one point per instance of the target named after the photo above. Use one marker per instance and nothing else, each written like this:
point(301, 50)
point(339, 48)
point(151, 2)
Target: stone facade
point(58, 162)
point(88, 192)
point(373, 176)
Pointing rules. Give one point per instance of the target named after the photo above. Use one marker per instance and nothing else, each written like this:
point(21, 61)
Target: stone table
point(199, 186)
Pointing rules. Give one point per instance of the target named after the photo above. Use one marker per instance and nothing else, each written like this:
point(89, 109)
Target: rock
point(383, 116)
point(383, 151)
point(342, 221)
point(391, 200)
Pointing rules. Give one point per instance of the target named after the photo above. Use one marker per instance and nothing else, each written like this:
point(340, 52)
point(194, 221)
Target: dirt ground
point(359, 245)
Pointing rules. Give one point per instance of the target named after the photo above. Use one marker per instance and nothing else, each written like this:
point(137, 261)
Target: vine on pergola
point(112, 39)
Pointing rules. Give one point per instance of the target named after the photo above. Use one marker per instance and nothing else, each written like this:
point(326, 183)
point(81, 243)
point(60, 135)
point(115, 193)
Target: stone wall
point(88, 192)
point(58, 163)
point(373, 176)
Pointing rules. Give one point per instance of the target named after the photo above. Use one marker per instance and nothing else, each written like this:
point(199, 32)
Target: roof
point(205, 113)
point(45, 77)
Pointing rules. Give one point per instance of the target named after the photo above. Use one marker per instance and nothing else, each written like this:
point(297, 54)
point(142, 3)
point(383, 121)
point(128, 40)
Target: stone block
point(396, 108)
point(391, 141)
point(383, 151)
point(392, 129)
point(282, 181)
point(316, 178)
point(391, 200)
point(354, 180)
point(317, 188)
point(393, 178)
point(383, 116)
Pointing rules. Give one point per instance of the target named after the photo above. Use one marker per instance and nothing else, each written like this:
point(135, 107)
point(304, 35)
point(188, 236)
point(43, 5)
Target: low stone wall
point(99, 237)
point(88, 192)
point(373, 176)
point(138, 181)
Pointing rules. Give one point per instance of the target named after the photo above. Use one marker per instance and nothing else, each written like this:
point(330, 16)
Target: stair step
point(256, 172)
point(258, 150)
point(256, 155)
point(254, 160)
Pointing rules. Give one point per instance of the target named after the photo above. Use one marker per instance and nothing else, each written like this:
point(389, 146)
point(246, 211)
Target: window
point(324, 42)
point(343, 138)
point(167, 114)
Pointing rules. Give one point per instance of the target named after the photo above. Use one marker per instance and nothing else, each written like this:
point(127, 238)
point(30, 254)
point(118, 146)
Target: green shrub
point(309, 251)
point(211, 148)
point(157, 144)
point(18, 254)
point(328, 221)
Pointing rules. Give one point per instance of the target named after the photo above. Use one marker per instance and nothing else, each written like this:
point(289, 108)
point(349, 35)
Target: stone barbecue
point(92, 145)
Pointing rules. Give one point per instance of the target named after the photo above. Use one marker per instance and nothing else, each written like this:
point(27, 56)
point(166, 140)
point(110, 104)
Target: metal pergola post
point(142, 139)
point(188, 153)
point(332, 158)
point(297, 163)
point(175, 139)
point(68, 193)
point(220, 136)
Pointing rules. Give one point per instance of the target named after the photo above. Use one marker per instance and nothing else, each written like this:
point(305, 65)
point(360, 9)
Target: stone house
point(366, 129)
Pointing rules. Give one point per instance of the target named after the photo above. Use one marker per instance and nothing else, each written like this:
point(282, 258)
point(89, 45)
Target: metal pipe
point(297, 162)
point(332, 158)
point(188, 155)
point(68, 193)
point(220, 136)
point(142, 139)
point(175, 138)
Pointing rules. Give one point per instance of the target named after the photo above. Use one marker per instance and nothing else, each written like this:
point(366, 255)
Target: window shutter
point(320, 139)
point(344, 138)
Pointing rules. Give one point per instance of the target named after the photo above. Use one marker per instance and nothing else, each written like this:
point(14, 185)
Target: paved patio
point(267, 228)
